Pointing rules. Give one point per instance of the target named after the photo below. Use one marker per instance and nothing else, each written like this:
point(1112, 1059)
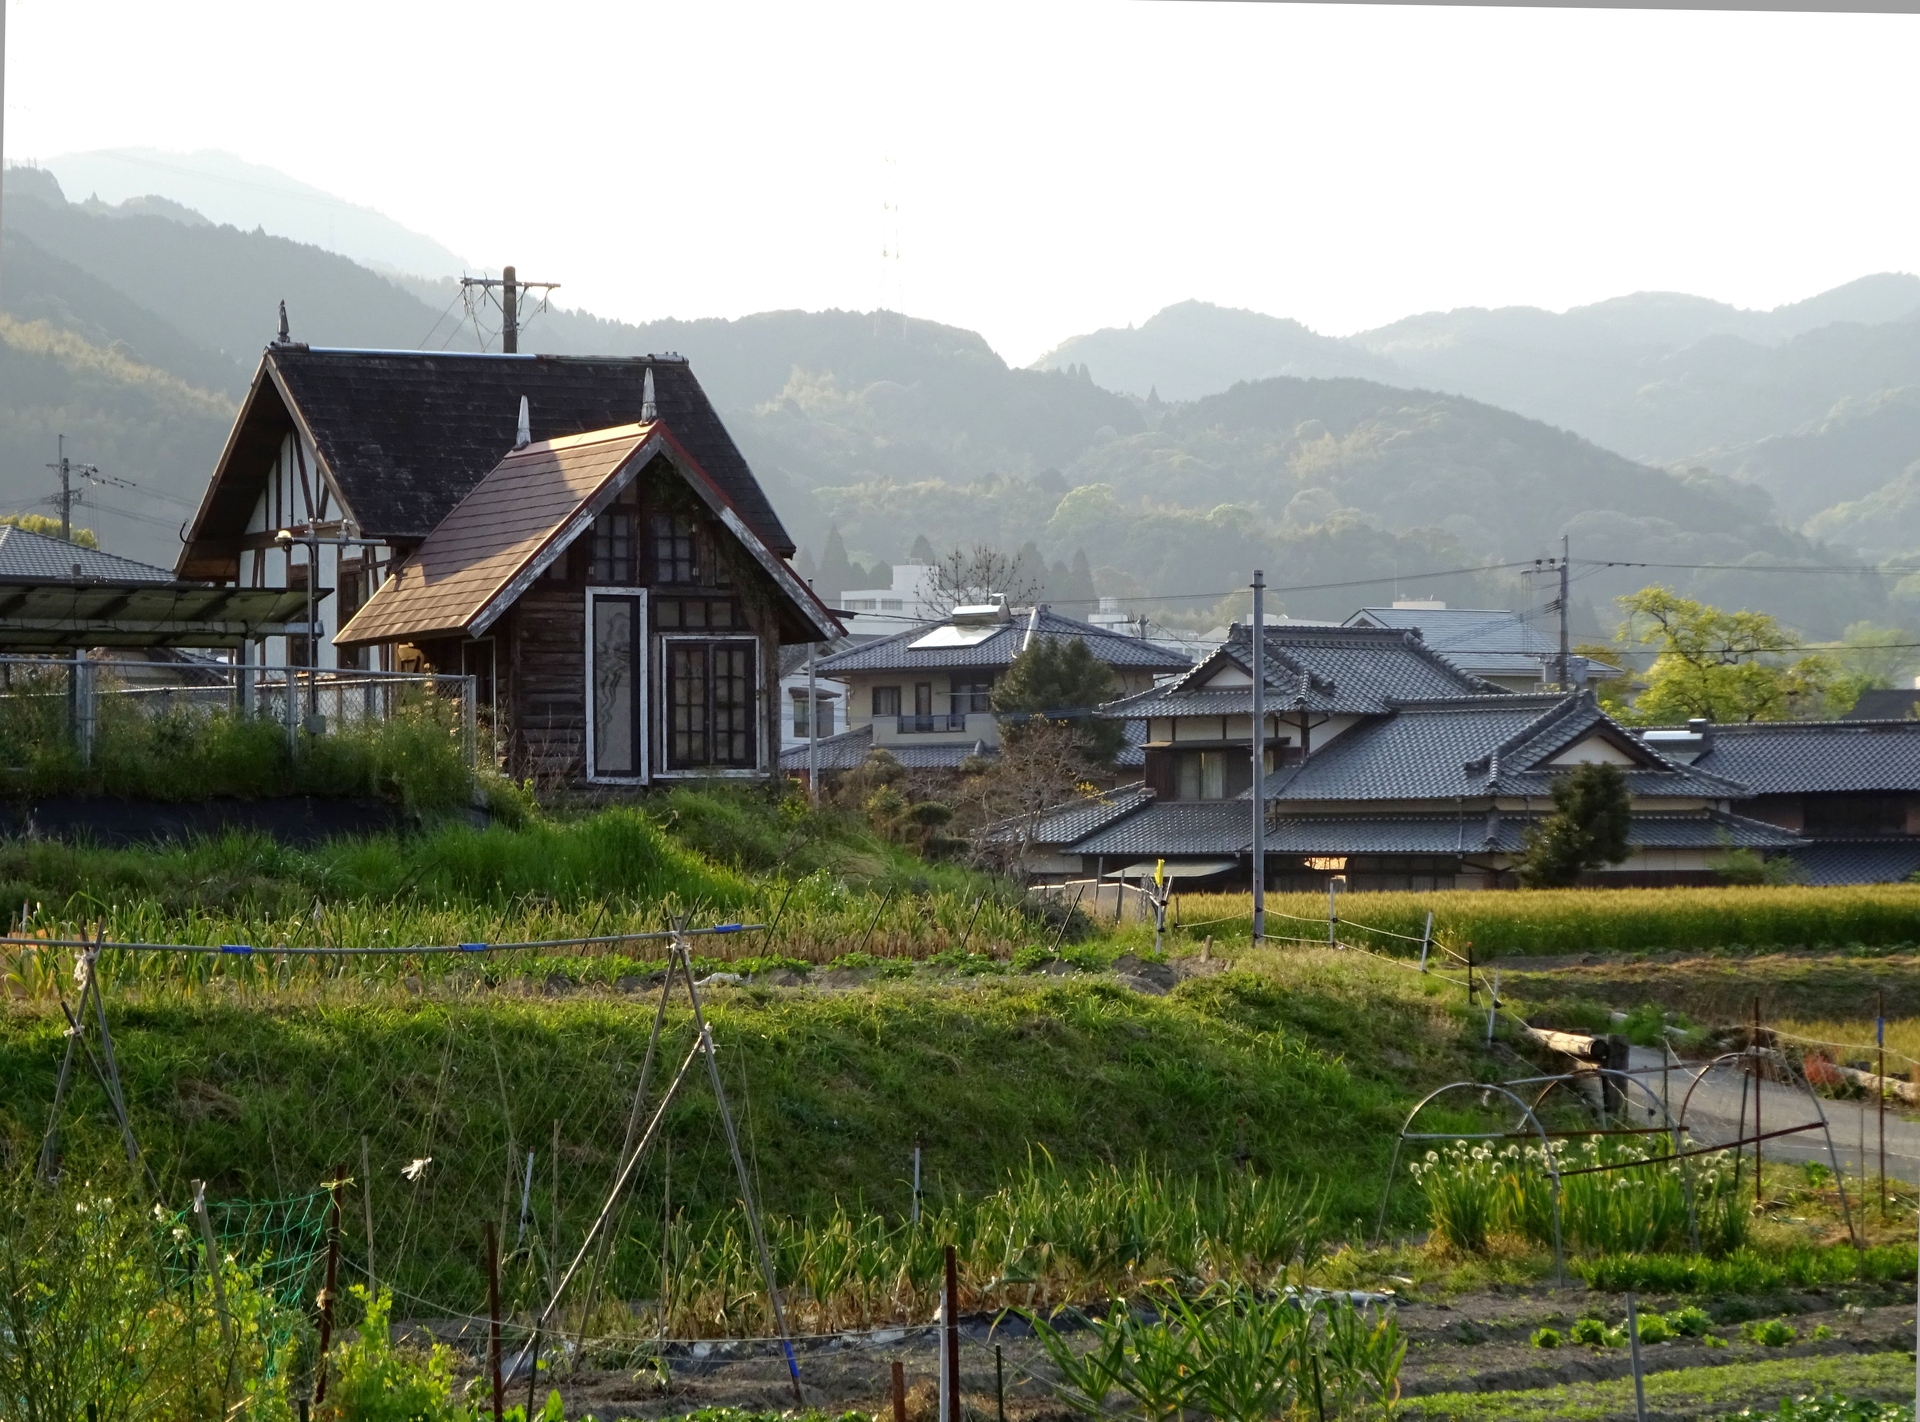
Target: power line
point(1853, 568)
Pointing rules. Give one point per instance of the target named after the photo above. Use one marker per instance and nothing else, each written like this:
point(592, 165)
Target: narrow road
point(1714, 1111)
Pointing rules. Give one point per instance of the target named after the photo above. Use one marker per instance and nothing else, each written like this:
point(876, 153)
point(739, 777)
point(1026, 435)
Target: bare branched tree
point(968, 576)
point(1003, 800)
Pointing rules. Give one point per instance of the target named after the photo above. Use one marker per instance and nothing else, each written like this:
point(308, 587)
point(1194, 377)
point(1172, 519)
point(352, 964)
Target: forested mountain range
point(133, 329)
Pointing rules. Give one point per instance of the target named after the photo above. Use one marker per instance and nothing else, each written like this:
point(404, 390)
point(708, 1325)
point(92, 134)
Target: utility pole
point(1259, 758)
point(511, 290)
point(66, 469)
point(1563, 611)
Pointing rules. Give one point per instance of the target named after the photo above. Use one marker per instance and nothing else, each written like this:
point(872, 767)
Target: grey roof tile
point(1487, 641)
point(1859, 861)
point(897, 653)
point(1813, 757)
point(851, 748)
point(36, 558)
point(1362, 670)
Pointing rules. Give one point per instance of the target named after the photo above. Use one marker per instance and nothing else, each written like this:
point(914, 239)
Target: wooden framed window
point(676, 553)
point(616, 543)
point(616, 684)
point(712, 704)
point(886, 701)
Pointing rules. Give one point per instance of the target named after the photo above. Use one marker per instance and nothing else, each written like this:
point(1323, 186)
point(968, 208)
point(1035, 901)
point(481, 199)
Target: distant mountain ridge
point(133, 327)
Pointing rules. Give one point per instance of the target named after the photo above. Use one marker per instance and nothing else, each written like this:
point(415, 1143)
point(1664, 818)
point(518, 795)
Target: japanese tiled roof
point(1482, 746)
point(1858, 861)
point(1076, 820)
point(851, 748)
point(405, 435)
point(35, 558)
point(1815, 757)
point(1215, 827)
point(997, 651)
point(1362, 670)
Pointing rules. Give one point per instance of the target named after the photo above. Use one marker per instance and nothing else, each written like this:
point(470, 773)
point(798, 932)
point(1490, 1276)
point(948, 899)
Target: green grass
point(416, 758)
point(1691, 1392)
point(1537, 922)
point(1747, 1272)
point(262, 1093)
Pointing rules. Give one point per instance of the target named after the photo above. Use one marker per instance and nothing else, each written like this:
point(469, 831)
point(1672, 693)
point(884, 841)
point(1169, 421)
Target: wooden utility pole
point(1259, 749)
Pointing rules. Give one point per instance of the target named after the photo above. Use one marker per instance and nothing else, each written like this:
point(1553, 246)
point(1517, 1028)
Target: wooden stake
point(1639, 1381)
point(950, 1330)
point(899, 1392)
point(493, 1320)
point(1758, 1081)
point(213, 1262)
point(366, 1203)
point(326, 1290)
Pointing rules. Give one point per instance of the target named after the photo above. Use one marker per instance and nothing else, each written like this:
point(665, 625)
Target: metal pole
point(916, 1180)
point(213, 1262)
point(1563, 645)
point(1426, 940)
point(950, 1334)
point(366, 1201)
point(1259, 748)
point(1333, 916)
point(1880, 1088)
point(1758, 1080)
point(326, 1291)
point(813, 731)
point(493, 1320)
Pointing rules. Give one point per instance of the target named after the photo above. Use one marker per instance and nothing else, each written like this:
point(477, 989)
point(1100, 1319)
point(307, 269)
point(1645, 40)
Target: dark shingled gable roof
point(406, 435)
point(1363, 670)
point(994, 652)
point(1815, 757)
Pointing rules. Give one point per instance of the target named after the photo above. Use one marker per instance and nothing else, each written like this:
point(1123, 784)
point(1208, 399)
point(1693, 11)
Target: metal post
point(469, 718)
point(1880, 1088)
point(1333, 916)
point(1426, 941)
point(1758, 1080)
point(83, 705)
point(493, 1320)
point(1259, 672)
point(213, 1262)
point(1564, 648)
point(916, 1180)
point(366, 1201)
point(813, 731)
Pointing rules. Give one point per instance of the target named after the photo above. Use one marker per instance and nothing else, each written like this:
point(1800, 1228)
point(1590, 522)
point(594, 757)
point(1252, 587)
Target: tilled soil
point(1470, 1343)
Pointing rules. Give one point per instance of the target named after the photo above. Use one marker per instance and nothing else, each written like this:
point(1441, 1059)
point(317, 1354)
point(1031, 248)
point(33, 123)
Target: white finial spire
point(648, 410)
point(524, 435)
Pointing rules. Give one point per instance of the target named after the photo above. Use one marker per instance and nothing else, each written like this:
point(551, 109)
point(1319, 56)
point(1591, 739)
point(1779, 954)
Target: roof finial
point(523, 436)
point(648, 410)
point(285, 338)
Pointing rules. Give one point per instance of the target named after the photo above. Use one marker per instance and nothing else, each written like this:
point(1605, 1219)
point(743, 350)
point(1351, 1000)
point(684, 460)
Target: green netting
point(283, 1240)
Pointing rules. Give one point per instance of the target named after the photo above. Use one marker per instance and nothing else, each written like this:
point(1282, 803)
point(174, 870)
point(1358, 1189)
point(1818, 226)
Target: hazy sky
point(1055, 166)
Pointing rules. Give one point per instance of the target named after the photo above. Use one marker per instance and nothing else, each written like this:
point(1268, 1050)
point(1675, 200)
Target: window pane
point(687, 681)
point(1213, 775)
point(733, 704)
point(613, 547)
point(615, 687)
point(1188, 767)
point(886, 701)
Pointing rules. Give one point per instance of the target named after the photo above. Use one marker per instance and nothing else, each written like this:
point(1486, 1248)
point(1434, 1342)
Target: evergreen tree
point(835, 575)
point(922, 552)
point(1081, 582)
point(803, 565)
point(1588, 828)
point(1030, 570)
point(1059, 675)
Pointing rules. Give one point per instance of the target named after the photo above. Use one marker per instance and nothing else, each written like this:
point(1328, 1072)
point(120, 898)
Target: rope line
point(247, 950)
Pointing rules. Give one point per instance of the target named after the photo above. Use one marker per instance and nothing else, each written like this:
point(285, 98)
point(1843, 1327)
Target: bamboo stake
point(326, 1291)
point(493, 1320)
point(366, 1201)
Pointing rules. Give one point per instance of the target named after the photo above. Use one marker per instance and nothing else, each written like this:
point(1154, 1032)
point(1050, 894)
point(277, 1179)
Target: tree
point(49, 528)
point(1059, 675)
point(835, 570)
point(1588, 828)
point(1869, 656)
point(970, 576)
point(1725, 666)
point(922, 552)
point(1038, 770)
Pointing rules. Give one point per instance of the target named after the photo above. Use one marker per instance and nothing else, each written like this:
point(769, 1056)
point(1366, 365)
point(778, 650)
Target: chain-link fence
point(53, 698)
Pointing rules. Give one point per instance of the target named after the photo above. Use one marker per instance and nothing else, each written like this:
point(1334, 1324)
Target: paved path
point(1713, 1115)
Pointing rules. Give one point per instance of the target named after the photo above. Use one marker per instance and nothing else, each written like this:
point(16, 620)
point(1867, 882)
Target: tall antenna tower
point(892, 294)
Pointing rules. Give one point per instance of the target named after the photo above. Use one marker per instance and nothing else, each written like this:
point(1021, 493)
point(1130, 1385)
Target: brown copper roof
point(492, 536)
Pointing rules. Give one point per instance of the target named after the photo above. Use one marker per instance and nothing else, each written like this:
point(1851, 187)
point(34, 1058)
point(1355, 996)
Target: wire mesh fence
point(75, 702)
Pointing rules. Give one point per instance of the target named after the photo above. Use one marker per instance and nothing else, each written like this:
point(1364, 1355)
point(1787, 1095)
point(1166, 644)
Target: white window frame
point(643, 689)
point(761, 769)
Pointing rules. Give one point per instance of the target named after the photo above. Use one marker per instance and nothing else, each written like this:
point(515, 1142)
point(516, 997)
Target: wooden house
point(618, 586)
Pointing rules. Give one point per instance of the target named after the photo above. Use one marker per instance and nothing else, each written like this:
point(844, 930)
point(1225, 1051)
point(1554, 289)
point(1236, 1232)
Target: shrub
point(369, 1380)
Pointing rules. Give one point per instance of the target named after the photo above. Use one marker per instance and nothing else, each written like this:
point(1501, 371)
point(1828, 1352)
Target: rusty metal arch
point(1527, 1117)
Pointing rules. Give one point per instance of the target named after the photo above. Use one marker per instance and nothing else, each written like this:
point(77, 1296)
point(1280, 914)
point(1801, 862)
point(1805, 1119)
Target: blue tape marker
point(726, 928)
point(473, 947)
point(792, 1366)
point(241, 948)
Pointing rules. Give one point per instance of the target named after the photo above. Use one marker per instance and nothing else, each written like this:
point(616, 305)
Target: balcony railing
point(927, 725)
